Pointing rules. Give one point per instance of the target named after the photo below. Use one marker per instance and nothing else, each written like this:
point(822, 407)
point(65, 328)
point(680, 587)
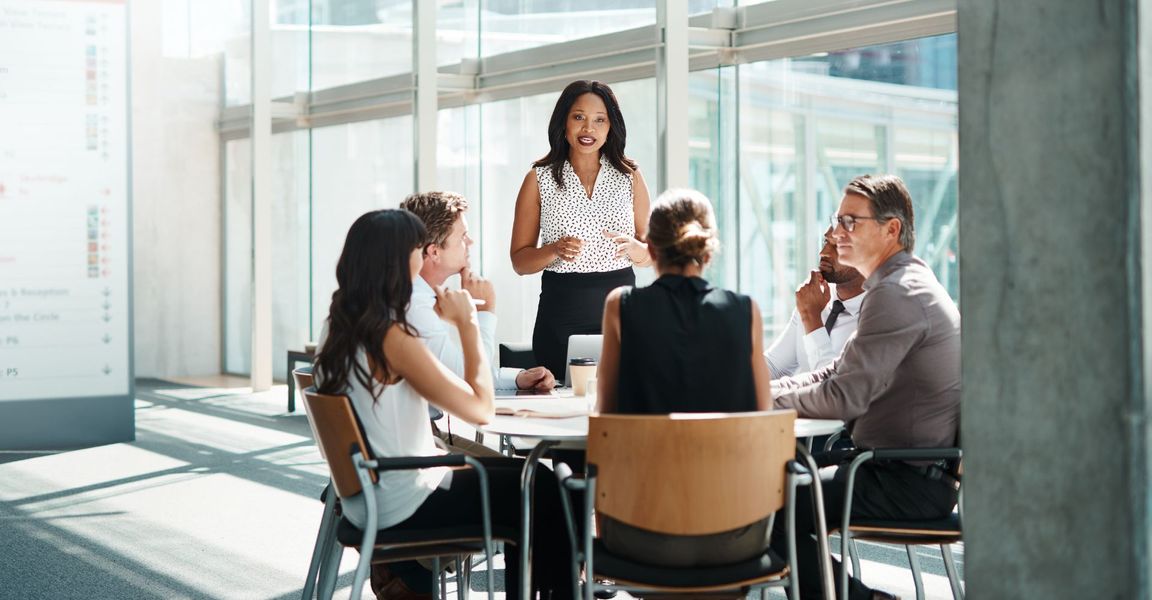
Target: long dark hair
point(374, 287)
point(559, 147)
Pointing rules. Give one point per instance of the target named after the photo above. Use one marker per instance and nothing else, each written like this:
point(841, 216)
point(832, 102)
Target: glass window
point(711, 159)
point(289, 40)
point(290, 271)
point(238, 256)
point(927, 161)
point(811, 124)
point(290, 260)
point(458, 169)
point(457, 31)
point(356, 168)
point(508, 25)
point(358, 40)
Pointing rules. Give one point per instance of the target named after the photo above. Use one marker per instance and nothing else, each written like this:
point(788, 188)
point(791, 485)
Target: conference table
point(560, 420)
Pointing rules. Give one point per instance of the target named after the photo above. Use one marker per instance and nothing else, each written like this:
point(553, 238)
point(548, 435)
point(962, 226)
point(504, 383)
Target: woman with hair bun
point(681, 345)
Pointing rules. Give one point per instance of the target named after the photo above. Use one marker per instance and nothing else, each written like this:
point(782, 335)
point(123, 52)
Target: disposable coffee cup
point(580, 371)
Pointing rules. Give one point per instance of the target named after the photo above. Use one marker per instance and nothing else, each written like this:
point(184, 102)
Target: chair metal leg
point(437, 579)
point(854, 553)
point(953, 574)
point(327, 524)
point(329, 570)
point(917, 580)
point(463, 574)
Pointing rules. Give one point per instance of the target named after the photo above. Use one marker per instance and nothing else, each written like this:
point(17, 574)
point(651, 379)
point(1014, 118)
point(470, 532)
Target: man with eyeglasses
point(820, 325)
point(897, 380)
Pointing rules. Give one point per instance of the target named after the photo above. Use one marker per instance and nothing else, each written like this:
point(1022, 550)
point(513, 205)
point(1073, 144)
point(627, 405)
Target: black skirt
point(571, 304)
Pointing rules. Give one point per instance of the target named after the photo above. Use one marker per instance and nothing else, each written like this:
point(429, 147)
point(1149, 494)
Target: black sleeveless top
point(685, 347)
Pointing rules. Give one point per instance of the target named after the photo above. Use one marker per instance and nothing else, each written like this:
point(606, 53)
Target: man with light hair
point(446, 254)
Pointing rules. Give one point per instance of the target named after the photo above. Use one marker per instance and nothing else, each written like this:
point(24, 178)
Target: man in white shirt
point(445, 255)
point(820, 326)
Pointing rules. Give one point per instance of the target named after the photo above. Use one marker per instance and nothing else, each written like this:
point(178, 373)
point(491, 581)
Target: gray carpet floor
point(216, 498)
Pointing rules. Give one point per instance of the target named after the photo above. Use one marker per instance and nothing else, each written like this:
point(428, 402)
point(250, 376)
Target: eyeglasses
point(848, 222)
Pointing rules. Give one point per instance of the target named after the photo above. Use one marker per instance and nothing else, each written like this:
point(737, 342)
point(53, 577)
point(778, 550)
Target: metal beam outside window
point(772, 30)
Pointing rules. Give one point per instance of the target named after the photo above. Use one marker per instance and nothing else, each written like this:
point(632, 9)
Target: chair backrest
point(691, 473)
point(582, 346)
point(518, 356)
point(337, 432)
point(303, 378)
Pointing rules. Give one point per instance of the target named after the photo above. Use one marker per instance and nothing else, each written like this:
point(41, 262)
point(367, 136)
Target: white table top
point(576, 428)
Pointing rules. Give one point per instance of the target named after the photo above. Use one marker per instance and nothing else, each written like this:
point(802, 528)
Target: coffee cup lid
point(582, 361)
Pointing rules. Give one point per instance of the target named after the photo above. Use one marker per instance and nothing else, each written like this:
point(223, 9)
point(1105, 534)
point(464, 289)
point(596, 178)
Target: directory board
point(65, 222)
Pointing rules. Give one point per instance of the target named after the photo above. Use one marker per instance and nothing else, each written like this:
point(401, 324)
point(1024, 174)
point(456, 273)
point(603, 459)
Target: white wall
point(176, 205)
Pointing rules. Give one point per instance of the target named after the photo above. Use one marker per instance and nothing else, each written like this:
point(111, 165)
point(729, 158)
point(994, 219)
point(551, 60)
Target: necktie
point(837, 308)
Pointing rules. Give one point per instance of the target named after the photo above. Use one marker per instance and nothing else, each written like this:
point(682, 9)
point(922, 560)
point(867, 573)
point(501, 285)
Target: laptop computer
point(582, 346)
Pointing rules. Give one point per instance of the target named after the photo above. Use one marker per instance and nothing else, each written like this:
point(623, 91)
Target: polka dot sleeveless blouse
point(569, 211)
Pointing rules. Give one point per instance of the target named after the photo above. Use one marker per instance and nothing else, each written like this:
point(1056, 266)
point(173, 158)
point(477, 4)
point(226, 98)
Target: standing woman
point(580, 215)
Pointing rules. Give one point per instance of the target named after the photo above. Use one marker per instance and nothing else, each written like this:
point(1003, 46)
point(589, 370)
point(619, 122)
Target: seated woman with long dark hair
point(369, 352)
point(682, 345)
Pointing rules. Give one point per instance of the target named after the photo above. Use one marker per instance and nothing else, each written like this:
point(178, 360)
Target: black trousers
point(571, 304)
point(460, 505)
point(882, 491)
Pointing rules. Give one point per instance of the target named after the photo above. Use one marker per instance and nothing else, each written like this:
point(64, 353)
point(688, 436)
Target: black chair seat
point(351, 535)
point(929, 531)
point(624, 570)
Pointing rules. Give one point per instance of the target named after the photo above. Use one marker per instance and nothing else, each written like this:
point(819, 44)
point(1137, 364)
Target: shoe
point(605, 594)
point(388, 586)
point(879, 595)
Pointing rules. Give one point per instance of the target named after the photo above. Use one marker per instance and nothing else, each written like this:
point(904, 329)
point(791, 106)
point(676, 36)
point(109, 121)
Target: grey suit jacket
point(899, 376)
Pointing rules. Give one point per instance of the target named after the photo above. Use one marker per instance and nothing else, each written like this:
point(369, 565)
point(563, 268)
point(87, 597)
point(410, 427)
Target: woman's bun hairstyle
point(682, 229)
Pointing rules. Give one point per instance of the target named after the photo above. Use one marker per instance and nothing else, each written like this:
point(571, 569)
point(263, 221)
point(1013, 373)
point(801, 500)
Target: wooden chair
point(687, 475)
point(354, 471)
point(907, 533)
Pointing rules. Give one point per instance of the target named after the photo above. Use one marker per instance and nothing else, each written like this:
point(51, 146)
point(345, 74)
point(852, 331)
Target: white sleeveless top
point(569, 211)
point(396, 425)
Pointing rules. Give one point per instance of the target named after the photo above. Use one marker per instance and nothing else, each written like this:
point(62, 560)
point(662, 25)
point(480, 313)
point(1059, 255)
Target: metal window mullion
point(425, 83)
point(806, 238)
point(261, 128)
point(672, 95)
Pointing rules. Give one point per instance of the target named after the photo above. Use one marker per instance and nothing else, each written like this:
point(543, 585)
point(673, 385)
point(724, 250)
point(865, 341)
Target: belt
point(937, 471)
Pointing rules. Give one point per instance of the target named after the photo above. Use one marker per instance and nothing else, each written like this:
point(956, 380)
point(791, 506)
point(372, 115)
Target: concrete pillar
point(1053, 270)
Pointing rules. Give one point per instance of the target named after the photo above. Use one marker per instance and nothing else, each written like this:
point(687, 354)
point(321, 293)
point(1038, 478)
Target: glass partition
point(356, 168)
point(771, 142)
point(811, 124)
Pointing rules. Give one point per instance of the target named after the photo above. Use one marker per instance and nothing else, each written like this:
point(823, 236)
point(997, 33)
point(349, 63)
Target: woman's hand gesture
point(567, 248)
point(628, 246)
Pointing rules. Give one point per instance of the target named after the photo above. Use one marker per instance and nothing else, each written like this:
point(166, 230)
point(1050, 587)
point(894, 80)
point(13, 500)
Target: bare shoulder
point(398, 339)
point(612, 301)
